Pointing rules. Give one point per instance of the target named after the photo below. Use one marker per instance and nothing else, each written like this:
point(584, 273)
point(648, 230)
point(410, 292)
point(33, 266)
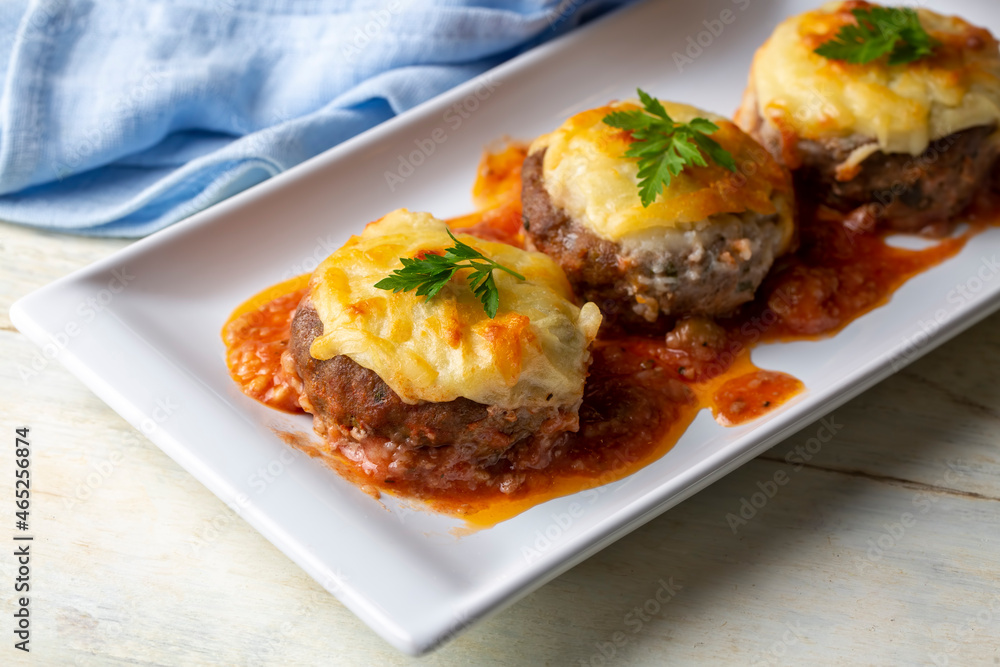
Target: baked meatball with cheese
point(701, 248)
point(904, 146)
point(434, 392)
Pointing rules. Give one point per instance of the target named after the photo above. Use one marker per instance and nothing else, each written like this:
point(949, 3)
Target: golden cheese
point(534, 353)
point(902, 107)
point(585, 173)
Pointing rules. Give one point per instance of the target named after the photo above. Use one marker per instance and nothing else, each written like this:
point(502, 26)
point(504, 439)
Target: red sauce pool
point(256, 335)
point(642, 393)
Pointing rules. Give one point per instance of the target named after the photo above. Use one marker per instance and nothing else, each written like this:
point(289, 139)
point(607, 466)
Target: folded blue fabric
point(120, 117)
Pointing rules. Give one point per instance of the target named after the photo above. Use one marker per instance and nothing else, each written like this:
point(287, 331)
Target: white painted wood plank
point(31, 258)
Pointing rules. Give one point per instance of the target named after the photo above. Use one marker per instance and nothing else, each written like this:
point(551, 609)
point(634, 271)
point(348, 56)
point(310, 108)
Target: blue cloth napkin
point(120, 117)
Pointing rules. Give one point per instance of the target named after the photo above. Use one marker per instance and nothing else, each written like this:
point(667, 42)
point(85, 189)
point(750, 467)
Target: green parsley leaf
point(430, 273)
point(880, 31)
point(664, 147)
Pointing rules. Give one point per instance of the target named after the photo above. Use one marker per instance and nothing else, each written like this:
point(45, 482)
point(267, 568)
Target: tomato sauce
point(642, 392)
point(256, 335)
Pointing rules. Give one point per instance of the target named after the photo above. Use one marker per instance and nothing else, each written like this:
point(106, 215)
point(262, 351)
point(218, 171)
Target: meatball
point(702, 248)
point(905, 146)
point(895, 191)
point(644, 282)
point(447, 445)
point(434, 394)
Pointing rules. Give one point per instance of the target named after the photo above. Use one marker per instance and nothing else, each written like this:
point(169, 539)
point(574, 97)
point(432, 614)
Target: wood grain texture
point(882, 548)
point(33, 258)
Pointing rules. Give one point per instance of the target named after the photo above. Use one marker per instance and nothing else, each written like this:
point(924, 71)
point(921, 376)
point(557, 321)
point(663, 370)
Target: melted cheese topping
point(902, 107)
point(586, 174)
point(534, 353)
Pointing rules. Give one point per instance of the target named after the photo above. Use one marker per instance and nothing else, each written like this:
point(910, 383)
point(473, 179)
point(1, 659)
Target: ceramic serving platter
point(153, 340)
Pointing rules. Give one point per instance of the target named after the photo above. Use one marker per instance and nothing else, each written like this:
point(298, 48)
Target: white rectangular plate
point(152, 350)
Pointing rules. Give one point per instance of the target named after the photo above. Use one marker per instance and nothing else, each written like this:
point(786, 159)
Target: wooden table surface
point(882, 548)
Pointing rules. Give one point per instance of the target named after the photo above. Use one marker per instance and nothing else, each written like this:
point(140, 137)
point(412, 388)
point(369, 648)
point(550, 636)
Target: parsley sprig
point(880, 31)
point(430, 273)
point(665, 147)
